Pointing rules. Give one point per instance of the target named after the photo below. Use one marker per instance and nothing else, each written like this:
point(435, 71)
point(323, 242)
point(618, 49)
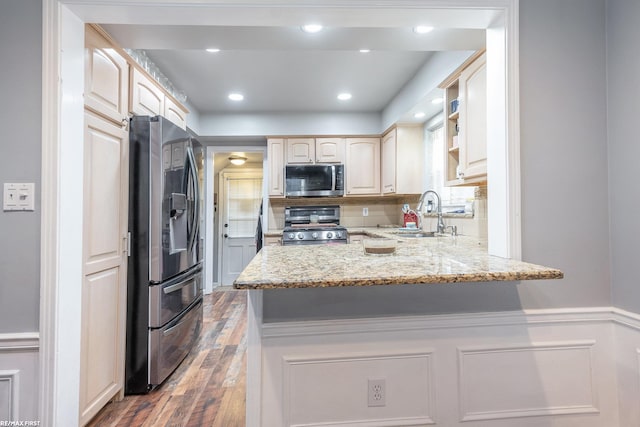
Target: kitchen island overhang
point(434, 260)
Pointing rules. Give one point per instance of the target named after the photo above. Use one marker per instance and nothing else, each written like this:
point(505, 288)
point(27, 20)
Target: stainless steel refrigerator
point(164, 281)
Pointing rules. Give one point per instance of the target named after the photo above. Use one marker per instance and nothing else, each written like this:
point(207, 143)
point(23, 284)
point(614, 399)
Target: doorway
point(233, 194)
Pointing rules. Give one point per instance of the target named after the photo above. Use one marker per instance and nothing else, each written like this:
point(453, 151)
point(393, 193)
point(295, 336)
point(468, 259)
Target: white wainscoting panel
point(627, 362)
point(527, 380)
point(547, 368)
point(9, 389)
point(19, 377)
point(332, 391)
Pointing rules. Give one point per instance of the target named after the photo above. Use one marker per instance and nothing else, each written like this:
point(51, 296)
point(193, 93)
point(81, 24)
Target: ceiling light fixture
point(422, 29)
point(419, 115)
point(436, 101)
point(237, 160)
point(365, 50)
point(213, 50)
point(312, 28)
point(344, 96)
point(236, 96)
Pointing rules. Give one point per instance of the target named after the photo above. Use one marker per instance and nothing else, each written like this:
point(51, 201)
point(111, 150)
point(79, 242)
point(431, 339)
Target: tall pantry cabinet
point(105, 195)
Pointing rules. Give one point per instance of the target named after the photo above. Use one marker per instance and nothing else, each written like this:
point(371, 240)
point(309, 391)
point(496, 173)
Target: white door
point(241, 198)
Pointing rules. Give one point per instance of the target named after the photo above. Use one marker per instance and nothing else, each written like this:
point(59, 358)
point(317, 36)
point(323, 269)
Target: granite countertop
point(429, 260)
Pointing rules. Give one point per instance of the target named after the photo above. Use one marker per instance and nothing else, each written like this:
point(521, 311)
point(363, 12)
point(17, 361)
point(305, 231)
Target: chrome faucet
point(441, 227)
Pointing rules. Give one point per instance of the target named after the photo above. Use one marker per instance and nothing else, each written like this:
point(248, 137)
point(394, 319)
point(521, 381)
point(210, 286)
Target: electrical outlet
point(377, 392)
point(365, 211)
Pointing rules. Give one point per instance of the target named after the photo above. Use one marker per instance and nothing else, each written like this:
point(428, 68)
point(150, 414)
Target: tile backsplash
point(384, 211)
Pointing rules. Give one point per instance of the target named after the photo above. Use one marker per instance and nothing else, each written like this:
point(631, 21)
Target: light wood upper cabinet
point(330, 150)
point(315, 150)
point(362, 166)
point(106, 85)
point(473, 120)
point(466, 125)
point(403, 160)
point(175, 112)
point(389, 162)
point(147, 98)
point(301, 150)
point(275, 157)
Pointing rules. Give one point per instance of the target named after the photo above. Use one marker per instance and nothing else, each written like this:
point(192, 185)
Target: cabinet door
point(104, 285)
point(356, 238)
point(275, 158)
point(330, 150)
point(273, 241)
point(106, 85)
point(389, 162)
point(174, 112)
point(362, 166)
point(473, 120)
point(147, 99)
point(301, 150)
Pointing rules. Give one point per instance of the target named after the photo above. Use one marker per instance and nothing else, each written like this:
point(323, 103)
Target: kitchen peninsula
point(327, 321)
point(427, 260)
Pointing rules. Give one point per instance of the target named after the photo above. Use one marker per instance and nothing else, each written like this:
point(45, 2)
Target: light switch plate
point(19, 196)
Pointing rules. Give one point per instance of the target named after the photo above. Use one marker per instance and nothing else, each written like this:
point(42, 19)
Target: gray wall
point(564, 182)
point(623, 72)
point(20, 121)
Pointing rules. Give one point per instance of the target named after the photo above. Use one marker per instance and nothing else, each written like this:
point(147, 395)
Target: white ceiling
point(282, 69)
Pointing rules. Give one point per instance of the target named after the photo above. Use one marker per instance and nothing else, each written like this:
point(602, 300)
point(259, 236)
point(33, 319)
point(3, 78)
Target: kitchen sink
point(415, 234)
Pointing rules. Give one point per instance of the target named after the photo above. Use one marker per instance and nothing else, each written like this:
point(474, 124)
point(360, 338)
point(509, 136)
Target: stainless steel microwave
point(314, 180)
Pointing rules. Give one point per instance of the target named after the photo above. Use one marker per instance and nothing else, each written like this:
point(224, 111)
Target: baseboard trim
point(21, 341)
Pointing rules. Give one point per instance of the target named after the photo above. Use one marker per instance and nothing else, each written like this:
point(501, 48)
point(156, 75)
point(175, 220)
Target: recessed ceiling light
point(365, 50)
point(419, 115)
point(436, 101)
point(344, 96)
point(236, 96)
point(422, 29)
point(312, 28)
point(213, 50)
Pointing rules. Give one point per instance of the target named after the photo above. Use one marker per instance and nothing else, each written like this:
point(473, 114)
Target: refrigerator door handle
point(177, 286)
point(191, 170)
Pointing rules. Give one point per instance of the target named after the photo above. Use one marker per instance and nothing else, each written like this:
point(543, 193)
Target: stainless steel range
point(313, 225)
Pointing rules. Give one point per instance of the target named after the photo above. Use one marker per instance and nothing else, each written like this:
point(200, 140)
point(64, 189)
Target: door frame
point(211, 232)
point(221, 206)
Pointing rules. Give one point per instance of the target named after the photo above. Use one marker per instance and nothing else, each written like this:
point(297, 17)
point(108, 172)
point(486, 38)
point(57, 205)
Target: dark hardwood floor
point(208, 388)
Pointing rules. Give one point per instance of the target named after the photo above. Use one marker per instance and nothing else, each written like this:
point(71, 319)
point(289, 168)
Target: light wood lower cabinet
point(356, 237)
point(273, 241)
point(105, 210)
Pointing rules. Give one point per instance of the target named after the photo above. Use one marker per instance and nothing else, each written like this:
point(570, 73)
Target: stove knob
point(292, 235)
point(314, 235)
point(338, 234)
point(329, 235)
point(300, 236)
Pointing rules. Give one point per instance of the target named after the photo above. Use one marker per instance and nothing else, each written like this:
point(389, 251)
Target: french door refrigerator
point(164, 281)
